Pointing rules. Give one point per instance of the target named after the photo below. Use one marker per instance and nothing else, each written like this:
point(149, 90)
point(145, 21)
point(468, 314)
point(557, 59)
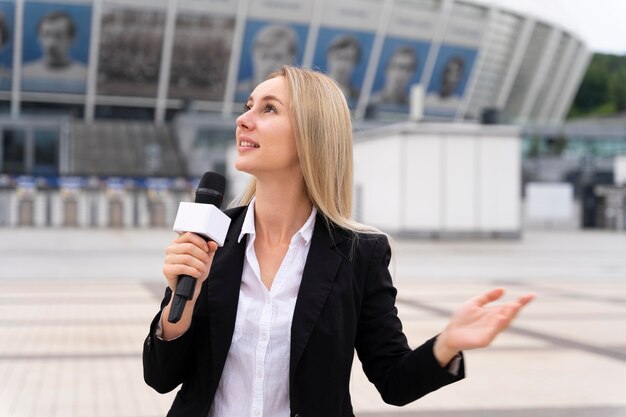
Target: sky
point(601, 23)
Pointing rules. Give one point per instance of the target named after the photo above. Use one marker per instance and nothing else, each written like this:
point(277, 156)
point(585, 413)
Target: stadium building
point(149, 59)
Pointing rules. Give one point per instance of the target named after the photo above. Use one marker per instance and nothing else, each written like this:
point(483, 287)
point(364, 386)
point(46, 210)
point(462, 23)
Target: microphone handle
point(184, 292)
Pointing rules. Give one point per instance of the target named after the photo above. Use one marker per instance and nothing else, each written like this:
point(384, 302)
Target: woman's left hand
point(475, 325)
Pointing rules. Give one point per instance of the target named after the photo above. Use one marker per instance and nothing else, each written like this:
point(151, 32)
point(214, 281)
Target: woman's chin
point(242, 166)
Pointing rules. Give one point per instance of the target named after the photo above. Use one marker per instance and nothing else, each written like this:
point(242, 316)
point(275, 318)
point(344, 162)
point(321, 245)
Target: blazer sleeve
point(400, 374)
point(166, 363)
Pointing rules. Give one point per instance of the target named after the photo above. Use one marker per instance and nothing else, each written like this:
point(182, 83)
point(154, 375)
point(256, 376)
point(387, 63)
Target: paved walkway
point(75, 306)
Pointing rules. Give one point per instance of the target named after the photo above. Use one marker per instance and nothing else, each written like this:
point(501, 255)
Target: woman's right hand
point(191, 255)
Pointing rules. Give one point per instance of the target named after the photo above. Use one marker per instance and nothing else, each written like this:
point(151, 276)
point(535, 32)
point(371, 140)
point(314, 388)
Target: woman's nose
point(244, 121)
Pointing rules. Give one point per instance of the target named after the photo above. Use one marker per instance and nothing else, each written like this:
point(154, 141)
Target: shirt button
point(259, 374)
point(264, 336)
point(256, 412)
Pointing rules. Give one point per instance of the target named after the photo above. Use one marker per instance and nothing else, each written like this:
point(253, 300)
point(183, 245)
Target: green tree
point(617, 88)
point(603, 89)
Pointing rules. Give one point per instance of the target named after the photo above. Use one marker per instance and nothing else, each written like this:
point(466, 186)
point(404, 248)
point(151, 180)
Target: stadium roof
point(555, 12)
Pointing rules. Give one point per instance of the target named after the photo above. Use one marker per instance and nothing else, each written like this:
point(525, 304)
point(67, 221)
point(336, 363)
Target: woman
point(298, 285)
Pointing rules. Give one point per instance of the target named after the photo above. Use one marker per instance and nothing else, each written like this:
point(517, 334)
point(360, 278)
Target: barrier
point(91, 202)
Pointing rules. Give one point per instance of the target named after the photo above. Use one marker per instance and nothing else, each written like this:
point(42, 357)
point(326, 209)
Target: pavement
point(75, 306)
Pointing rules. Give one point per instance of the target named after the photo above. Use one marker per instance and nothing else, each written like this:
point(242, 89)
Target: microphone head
point(211, 189)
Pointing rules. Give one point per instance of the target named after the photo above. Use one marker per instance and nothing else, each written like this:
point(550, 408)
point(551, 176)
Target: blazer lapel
point(223, 291)
point(320, 271)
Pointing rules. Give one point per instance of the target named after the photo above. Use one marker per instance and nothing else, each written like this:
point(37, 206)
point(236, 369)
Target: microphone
point(205, 219)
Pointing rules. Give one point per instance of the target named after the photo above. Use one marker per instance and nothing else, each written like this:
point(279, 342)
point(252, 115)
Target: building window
point(124, 112)
point(46, 152)
point(13, 151)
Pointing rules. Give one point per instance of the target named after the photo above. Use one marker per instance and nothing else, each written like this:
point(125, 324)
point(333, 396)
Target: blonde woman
point(298, 285)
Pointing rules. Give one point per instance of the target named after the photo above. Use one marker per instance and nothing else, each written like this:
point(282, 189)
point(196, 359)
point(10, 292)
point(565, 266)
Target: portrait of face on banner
point(267, 47)
point(449, 80)
point(6, 44)
point(131, 41)
point(202, 47)
point(401, 65)
point(56, 47)
point(452, 70)
point(343, 55)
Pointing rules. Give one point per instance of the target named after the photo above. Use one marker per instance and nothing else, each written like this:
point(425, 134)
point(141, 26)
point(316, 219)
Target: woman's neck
point(280, 210)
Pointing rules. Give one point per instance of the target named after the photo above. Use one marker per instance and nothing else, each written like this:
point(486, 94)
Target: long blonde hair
point(323, 133)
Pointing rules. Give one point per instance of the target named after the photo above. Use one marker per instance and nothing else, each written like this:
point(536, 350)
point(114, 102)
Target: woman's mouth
point(246, 144)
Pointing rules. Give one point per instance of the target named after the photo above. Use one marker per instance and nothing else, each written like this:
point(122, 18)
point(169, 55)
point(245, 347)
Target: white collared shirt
point(255, 380)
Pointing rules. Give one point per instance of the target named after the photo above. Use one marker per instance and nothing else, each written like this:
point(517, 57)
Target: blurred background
point(495, 131)
point(113, 109)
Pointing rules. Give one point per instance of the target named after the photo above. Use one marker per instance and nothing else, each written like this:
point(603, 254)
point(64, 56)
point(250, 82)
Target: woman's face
point(265, 139)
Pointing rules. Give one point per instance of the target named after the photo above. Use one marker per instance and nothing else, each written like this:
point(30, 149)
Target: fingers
point(194, 239)
point(189, 255)
point(192, 244)
point(506, 315)
point(195, 267)
point(212, 246)
point(512, 308)
point(526, 298)
point(495, 294)
point(173, 271)
point(188, 249)
point(507, 312)
point(488, 297)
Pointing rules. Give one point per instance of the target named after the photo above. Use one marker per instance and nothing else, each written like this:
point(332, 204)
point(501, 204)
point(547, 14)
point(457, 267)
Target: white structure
point(620, 170)
point(550, 204)
point(439, 179)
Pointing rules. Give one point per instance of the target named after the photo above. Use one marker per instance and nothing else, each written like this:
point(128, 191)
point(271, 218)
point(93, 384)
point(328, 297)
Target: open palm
point(475, 324)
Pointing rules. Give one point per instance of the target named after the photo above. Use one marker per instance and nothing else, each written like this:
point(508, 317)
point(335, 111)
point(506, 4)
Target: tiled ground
point(73, 349)
point(563, 353)
point(71, 339)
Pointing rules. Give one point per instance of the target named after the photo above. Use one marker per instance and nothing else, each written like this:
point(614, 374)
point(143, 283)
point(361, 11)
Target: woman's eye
point(246, 108)
point(270, 108)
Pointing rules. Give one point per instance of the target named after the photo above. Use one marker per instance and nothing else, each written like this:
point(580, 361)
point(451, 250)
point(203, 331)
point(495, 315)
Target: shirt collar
point(248, 222)
point(305, 232)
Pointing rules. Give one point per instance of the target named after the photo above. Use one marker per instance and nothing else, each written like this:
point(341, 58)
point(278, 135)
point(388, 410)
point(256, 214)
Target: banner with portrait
point(344, 43)
point(408, 38)
point(400, 66)
point(343, 55)
point(449, 80)
point(7, 25)
point(455, 61)
point(202, 49)
point(131, 43)
point(276, 34)
point(56, 47)
point(267, 46)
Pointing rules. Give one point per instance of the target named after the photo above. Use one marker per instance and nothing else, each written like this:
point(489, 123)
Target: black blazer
point(346, 301)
